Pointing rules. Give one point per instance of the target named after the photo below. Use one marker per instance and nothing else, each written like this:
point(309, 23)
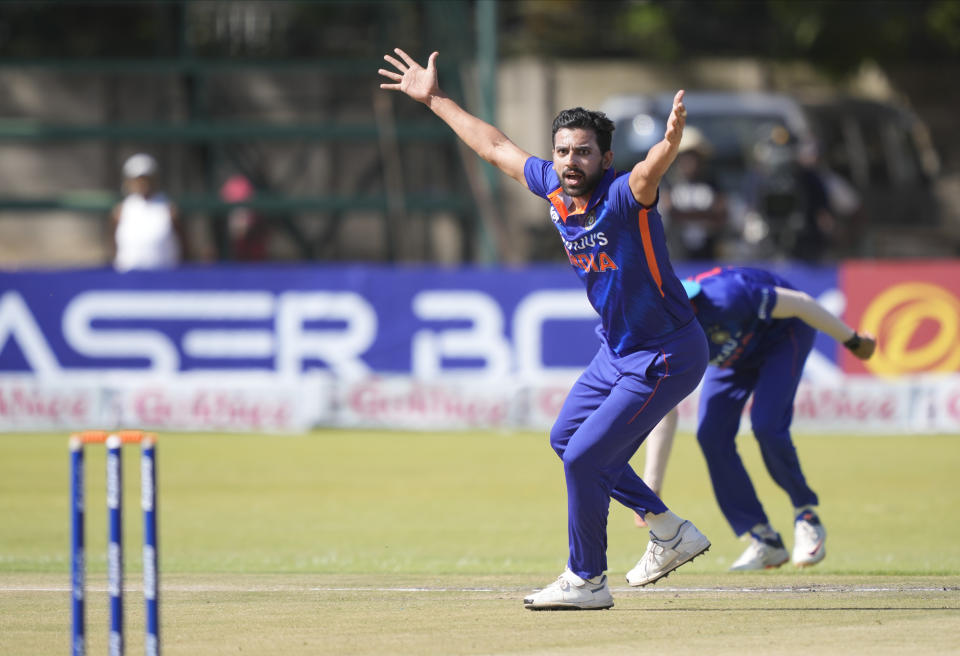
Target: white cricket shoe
point(664, 556)
point(763, 553)
point(809, 539)
point(570, 592)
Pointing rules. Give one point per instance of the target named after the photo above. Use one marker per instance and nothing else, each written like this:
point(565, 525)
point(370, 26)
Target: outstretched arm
point(793, 303)
point(487, 141)
point(645, 176)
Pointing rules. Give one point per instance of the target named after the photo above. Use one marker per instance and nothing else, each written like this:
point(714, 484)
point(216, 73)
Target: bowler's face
point(578, 161)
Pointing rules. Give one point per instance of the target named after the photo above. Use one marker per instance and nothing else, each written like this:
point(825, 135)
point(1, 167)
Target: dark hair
point(578, 117)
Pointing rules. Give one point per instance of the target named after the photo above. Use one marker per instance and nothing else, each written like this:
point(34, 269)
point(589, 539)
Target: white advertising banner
point(853, 404)
point(289, 348)
point(188, 402)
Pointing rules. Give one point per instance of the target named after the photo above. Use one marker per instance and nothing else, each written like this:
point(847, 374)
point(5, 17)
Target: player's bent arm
point(646, 175)
point(794, 303)
point(422, 85)
point(484, 139)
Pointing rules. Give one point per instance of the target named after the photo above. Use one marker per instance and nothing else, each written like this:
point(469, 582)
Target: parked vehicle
point(731, 122)
point(752, 139)
point(770, 155)
point(885, 151)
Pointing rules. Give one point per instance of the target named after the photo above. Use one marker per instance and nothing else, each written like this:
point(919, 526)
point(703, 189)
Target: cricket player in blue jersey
point(652, 353)
point(761, 330)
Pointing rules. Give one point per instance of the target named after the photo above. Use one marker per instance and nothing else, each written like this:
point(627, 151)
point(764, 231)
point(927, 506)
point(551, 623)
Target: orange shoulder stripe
point(557, 202)
point(648, 250)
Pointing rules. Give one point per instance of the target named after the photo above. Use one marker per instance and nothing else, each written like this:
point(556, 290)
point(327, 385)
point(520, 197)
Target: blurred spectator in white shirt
point(147, 231)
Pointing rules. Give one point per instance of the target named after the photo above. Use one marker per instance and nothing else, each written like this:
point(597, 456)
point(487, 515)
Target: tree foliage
point(837, 35)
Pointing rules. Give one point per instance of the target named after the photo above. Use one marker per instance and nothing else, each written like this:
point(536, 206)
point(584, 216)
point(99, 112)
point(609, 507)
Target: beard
point(582, 184)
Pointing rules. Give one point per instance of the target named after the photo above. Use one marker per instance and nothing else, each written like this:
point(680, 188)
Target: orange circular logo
point(917, 325)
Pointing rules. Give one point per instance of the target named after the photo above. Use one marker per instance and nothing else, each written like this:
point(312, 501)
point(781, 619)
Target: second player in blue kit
point(652, 352)
point(760, 330)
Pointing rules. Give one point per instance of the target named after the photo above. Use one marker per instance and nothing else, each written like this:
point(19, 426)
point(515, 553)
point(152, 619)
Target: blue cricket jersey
point(617, 248)
point(734, 306)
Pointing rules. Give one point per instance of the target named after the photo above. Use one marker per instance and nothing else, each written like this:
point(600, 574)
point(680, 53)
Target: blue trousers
point(604, 420)
point(773, 385)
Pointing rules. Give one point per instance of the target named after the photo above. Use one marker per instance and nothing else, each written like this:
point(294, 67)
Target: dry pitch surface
point(396, 614)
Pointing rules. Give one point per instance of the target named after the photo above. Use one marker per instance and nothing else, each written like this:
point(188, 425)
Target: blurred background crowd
point(255, 131)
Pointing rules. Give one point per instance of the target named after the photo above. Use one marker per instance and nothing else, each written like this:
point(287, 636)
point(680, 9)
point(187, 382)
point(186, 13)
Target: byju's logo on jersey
point(587, 242)
point(718, 335)
point(731, 345)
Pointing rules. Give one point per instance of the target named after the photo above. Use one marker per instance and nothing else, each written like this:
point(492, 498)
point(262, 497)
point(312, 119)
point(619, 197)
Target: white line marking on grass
point(363, 589)
point(833, 589)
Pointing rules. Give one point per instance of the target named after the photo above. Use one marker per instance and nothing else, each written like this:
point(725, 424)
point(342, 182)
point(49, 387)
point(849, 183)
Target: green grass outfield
point(351, 542)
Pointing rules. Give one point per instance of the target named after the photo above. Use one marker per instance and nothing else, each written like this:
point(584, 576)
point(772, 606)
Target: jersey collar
point(562, 203)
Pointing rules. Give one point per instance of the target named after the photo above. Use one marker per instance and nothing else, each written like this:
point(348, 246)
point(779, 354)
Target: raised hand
point(676, 121)
point(867, 344)
point(412, 79)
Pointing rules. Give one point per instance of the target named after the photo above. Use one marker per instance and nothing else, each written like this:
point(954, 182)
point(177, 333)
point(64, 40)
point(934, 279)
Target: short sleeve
point(540, 176)
point(620, 197)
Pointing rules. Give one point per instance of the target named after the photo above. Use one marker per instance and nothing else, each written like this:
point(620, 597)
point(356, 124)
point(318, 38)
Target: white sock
point(595, 579)
point(665, 525)
point(799, 511)
point(763, 531)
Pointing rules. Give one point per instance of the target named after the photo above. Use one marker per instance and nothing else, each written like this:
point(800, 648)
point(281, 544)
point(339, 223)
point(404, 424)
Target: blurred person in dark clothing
point(248, 230)
point(788, 191)
point(814, 235)
point(694, 204)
